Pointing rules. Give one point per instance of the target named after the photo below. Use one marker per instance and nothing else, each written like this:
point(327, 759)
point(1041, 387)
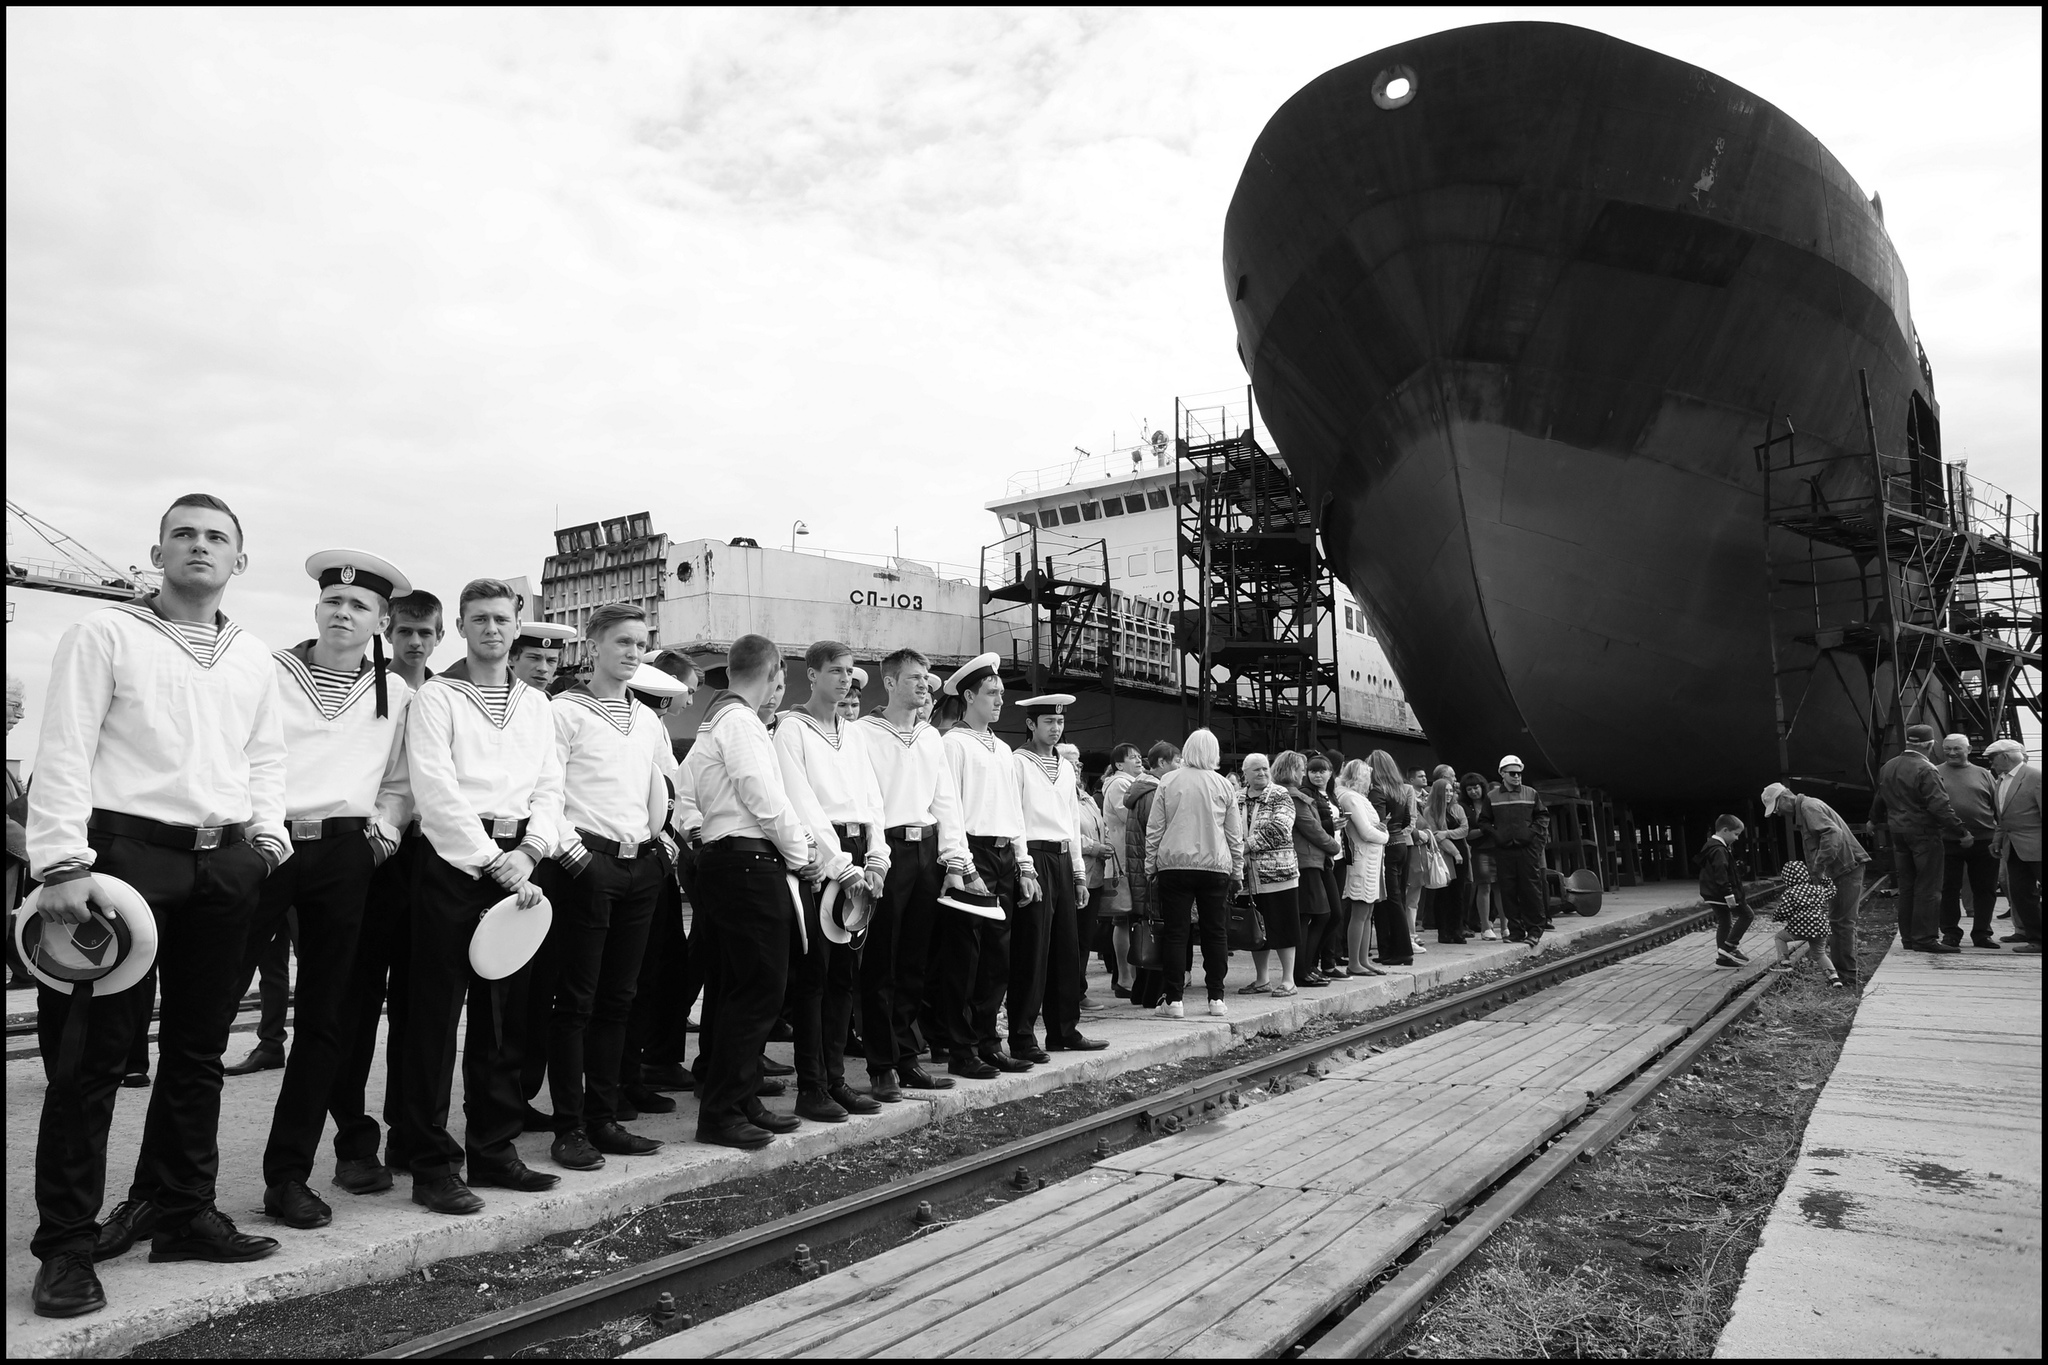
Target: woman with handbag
point(1363, 883)
point(1443, 879)
point(1125, 766)
point(1146, 981)
point(1485, 890)
point(1271, 873)
point(1327, 956)
point(1393, 800)
point(1098, 858)
point(1194, 844)
point(1313, 848)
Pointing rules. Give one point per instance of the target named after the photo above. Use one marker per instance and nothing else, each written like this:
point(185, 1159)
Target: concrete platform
point(382, 1236)
point(1911, 1225)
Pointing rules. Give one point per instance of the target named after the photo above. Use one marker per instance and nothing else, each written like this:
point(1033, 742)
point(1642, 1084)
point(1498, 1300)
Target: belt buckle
point(504, 829)
point(913, 834)
point(628, 852)
point(306, 829)
point(205, 838)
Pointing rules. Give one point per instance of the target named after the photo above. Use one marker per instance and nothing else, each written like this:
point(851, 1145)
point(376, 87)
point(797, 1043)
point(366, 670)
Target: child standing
point(1802, 916)
point(1721, 887)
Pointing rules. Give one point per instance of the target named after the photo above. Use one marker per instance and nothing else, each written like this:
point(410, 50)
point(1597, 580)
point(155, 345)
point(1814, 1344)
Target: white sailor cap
point(1772, 793)
point(970, 674)
point(656, 683)
point(541, 635)
point(1051, 704)
point(358, 568)
point(1509, 762)
point(860, 678)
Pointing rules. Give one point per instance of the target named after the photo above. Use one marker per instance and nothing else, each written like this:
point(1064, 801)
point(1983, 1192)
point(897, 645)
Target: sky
point(434, 283)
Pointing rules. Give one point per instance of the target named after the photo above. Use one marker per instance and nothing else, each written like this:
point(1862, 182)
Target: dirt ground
point(351, 1322)
point(1638, 1254)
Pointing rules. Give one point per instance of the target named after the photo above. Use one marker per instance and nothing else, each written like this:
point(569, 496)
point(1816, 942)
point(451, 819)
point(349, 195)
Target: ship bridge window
point(1137, 564)
point(1156, 498)
point(1090, 511)
point(1069, 515)
point(1135, 503)
point(1027, 518)
point(1112, 507)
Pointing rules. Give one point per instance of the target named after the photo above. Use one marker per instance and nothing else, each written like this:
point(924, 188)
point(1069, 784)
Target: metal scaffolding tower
point(1045, 608)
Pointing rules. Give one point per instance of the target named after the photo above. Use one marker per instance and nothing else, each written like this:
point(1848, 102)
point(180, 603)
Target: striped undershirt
point(496, 701)
point(619, 710)
point(332, 685)
point(201, 637)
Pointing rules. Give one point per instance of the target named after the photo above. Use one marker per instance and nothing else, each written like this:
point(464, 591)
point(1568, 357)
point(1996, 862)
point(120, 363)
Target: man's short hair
point(750, 657)
point(198, 500)
point(1121, 752)
point(483, 590)
point(603, 618)
point(679, 666)
point(1727, 822)
point(825, 651)
point(892, 664)
point(1165, 751)
point(417, 605)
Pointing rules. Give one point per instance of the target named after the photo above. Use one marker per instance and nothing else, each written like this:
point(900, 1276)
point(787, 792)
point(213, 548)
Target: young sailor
point(657, 1030)
point(971, 955)
point(1045, 976)
point(161, 764)
point(604, 880)
point(849, 709)
point(381, 970)
point(752, 841)
point(537, 653)
point(826, 772)
point(346, 805)
point(921, 820)
point(487, 781)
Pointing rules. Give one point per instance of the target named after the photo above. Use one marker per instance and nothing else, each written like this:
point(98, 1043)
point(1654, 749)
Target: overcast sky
point(434, 283)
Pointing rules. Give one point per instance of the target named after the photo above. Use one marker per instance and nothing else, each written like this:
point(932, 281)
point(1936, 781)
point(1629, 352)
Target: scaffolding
point(1255, 591)
point(1923, 579)
point(1046, 609)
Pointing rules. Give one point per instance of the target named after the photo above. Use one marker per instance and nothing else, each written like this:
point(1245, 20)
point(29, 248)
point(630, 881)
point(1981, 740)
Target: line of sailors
point(457, 841)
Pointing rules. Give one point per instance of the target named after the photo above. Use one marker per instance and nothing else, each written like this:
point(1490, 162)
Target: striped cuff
point(274, 851)
point(533, 848)
point(573, 856)
point(381, 841)
point(879, 861)
point(70, 870)
point(963, 867)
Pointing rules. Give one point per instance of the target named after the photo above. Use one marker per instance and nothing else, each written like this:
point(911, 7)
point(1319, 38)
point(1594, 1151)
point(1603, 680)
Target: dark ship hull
point(1518, 335)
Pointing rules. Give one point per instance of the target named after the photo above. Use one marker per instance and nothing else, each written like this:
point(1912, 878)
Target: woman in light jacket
point(1363, 884)
point(1271, 873)
point(1194, 846)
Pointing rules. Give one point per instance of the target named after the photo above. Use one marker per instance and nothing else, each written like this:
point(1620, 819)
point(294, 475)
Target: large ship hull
point(1518, 335)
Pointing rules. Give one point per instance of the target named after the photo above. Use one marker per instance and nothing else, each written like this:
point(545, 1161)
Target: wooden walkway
point(1235, 1237)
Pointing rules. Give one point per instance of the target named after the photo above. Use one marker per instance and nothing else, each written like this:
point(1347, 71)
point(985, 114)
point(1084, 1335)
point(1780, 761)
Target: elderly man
point(1832, 852)
point(1974, 794)
point(2019, 838)
point(1914, 807)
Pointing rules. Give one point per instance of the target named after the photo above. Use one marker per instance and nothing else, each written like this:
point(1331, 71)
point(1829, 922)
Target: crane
point(74, 569)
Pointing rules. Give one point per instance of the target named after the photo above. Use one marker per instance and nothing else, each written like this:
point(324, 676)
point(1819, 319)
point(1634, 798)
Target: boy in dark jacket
point(1721, 887)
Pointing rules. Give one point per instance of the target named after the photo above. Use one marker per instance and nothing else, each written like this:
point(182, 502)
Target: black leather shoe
point(1987, 942)
point(625, 1111)
point(773, 1122)
point(68, 1287)
point(914, 1077)
point(573, 1151)
point(819, 1107)
point(770, 1088)
point(771, 1067)
point(292, 1204)
point(972, 1067)
point(1952, 940)
point(445, 1194)
point(744, 1136)
point(1075, 1042)
point(513, 1175)
point(855, 1047)
point(1003, 1061)
point(609, 1137)
point(1935, 947)
point(532, 1120)
point(131, 1220)
point(1028, 1051)
point(649, 1101)
point(362, 1175)
point(263, 1058)
point(782, 1032)
point(851, 1100)
point(882, 1086)
point(209, 1236)
point(666, 1076)
point(135, 1080)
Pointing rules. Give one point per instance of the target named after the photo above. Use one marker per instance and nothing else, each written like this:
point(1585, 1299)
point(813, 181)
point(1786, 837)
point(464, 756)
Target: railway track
point(654, 1287)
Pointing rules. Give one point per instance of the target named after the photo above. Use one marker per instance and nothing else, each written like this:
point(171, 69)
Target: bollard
point(1021, 1181)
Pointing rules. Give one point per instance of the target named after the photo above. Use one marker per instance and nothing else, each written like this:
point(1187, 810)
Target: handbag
point(1247, 925)
point(1145, 942)
point(1436, 873)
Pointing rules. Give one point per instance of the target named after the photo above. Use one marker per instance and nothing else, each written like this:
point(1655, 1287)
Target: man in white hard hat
point(1514, 826)
point(1832, 851)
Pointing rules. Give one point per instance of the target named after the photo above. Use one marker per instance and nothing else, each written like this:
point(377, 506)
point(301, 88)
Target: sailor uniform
point(485, 781)
point(921, 821)
point(162, 762)
point(826, 772)
point(347, 803)
point(1045, 974)
point(752, 837)
point(605, 881)
point(971, 955)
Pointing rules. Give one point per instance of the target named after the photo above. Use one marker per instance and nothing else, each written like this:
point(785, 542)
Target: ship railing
point(898, 564)
point(1983, 508)
point(1121, 462)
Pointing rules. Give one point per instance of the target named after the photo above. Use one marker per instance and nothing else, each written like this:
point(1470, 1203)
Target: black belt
point(333, 827)
point(186, 838)
point(1047, 845)
point(908, 834)
point(597, 843)
point(989, 841)
point(743, 843)
point(503, 827)
point(850, 831)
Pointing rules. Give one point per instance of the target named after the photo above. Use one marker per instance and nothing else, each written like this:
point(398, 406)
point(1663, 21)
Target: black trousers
point(2023, 888)
point(202, 903)
point(745, 920)
point(327, 881)
point(1519, 874)
point(1390, 932)
point(892, 964)
point(671, 978)
point(1979, 866)
point(1208, 895)
point(446, 904)
point(1917, 872)
point(380, 973)
point(141, 998)
point(970, 962)
point(1059, 974)
point(267, 961)
point(823, 978)
point(596, 943)
point(1730, 923)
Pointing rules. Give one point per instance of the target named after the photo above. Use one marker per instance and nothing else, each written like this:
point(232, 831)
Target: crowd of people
point(495, 862)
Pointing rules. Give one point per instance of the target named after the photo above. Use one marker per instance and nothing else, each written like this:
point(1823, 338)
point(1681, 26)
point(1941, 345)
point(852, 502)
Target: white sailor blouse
point(341, 758)
point(826, 773)
point(469, 765)
point(736, 783)
point(615, 759)
point(916, 784)
point(1045, 787)
point(986, 778)
point(149, 720)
